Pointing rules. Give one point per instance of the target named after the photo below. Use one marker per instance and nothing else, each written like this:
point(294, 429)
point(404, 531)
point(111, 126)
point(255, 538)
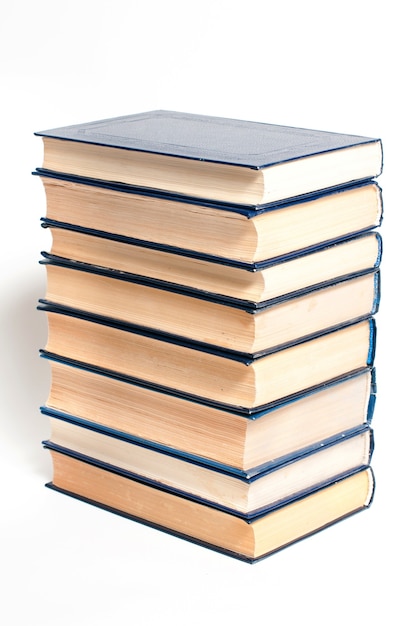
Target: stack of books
point(211, 292)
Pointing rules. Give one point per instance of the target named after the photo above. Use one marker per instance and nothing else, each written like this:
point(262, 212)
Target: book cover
point(235, 142)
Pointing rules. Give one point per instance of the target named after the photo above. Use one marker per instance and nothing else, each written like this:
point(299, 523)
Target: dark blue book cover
point(236, 142)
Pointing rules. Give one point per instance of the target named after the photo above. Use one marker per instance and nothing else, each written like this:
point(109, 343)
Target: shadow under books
point(25, 376)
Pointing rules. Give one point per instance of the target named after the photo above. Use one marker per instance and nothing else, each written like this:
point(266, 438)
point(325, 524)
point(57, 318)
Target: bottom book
point(220, 530)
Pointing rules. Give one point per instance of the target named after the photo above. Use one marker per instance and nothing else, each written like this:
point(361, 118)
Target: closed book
point(248, 540)
point(227, 160)
point(241, 440)
point(232, 326)
point(245, 493)
point(247, 286)
point(235, 233)
point(200, 370)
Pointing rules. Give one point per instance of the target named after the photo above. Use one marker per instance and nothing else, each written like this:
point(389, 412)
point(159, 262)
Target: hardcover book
point(235, 233)
point(74, 286)
point(245, 493)
point(238, 439)
point(198, 370)
point(248, 540)
point(245, 286)
point(208, 157)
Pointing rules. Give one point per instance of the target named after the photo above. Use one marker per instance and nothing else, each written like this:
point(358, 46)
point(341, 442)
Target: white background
point(346, 67)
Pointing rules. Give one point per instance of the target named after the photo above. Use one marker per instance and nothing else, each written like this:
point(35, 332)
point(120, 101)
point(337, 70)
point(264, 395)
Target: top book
point(225, 160)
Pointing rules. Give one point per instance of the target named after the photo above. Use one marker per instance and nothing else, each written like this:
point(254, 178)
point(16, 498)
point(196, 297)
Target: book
point(246, 494)
point(236, 233)
point(74, 286)
point(238, 439)
point(224, 531)
point(214, 158)
point(199, 370)
point(251, 287)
